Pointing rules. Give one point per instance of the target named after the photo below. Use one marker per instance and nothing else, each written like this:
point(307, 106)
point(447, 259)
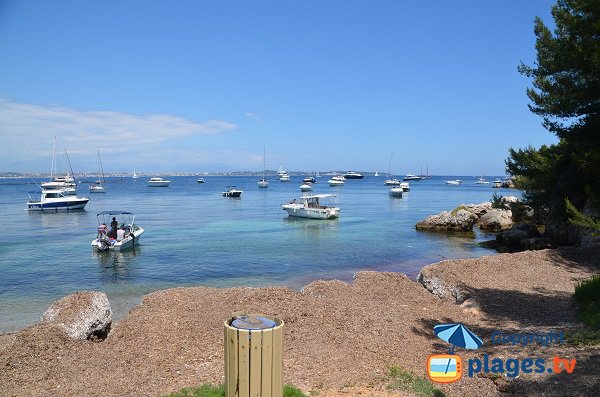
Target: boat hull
point(232, 194)
point(158, 184)
point(299, 211)
point(71, 205)
point(396, 192)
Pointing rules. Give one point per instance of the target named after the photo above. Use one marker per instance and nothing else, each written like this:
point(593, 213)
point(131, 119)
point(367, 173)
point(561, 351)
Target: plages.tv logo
point(446, 368)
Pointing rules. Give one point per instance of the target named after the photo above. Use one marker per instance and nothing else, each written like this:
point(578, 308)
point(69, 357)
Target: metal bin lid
point(252, 322)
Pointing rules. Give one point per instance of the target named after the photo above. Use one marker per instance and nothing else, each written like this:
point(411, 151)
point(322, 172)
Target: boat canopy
point(115, 213)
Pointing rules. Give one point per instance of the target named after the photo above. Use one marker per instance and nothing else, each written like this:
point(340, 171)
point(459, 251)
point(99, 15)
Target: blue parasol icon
point(458, 335)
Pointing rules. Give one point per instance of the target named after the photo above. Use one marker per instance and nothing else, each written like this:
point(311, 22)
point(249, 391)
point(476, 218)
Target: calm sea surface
point(194, 236)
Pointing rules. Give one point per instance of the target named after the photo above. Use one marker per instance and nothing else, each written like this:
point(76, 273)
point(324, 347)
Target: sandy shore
point(340, 338)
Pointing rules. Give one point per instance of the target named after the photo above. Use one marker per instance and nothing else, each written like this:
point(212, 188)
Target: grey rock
point(82, 315)
point(462, 220)
point(535, 243)
point(496, 219)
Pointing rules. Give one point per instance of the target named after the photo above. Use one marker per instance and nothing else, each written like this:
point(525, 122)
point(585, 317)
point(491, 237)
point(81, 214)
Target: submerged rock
point(82, 315)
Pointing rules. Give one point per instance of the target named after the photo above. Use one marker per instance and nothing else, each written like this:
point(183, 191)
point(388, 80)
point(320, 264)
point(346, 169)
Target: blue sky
point(203, 86)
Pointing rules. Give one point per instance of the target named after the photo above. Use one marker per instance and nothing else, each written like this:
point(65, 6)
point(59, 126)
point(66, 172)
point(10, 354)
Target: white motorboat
point(411, 177)
point(396, 191)
point(312, 207)
point(337, 181)
point(482, 181)
point(232, 191)
point(125, 236)
point(309, 179)
point(57, 200)
point(284, 178)
point(353, 175)
point(158, 182)
point(497, 183)
point(391, 182)
point(405, 186)
point(306, 187)
point(263, 183)
point(97, 188)
point(200, 180)
point(453, 182)
point(59, 182)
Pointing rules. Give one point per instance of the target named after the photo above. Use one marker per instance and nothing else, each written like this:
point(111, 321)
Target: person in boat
point(120, 234)
point(102, 231)
point(114, 225)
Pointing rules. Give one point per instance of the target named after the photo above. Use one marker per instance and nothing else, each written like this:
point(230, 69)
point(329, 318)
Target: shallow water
point(194, 236)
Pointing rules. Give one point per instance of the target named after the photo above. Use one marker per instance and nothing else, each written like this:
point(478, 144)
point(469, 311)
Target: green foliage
point(497, 201)
point(566, 93)
point(400, 379)
point(577, 218)
point(202, 391)
point(219, 391)
point(587, 296)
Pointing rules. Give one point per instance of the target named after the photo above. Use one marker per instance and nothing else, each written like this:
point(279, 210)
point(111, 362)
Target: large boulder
point(82, 315)
point(522, 236)
point(496, 219)
point(478, 209)
point(460, 221)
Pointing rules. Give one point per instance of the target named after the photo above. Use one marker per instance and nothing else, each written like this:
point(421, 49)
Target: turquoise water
point(194, 236)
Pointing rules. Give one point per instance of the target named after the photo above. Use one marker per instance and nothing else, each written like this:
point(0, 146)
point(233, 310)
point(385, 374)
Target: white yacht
point(306, 187)
point(158, 182)
point(482, 181)
point(411, 177)
point(232, 191)
point(57, 200)
point(337, 181)
point(497, 183)
point(284, 177)
point(200, 180)
point(453, 182)
point(391, 182)
point(311, 207)
point(127, 234)
point(405, 186)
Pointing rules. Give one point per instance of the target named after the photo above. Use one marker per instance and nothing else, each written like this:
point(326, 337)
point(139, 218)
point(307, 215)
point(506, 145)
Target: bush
point(404, 380)
point(587, 296)
point(219, 391)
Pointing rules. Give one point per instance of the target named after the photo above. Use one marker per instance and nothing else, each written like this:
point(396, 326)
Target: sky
point(201, 86)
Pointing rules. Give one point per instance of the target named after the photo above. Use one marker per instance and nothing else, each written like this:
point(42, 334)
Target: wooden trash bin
point(253, 356)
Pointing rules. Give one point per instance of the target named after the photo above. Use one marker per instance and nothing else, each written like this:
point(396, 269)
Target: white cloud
point(28, 130)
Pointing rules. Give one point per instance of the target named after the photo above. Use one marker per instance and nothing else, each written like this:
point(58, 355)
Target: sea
point(196, 237)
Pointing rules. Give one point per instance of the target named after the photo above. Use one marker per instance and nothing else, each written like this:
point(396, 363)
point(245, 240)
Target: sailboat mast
point(101, 168)
point(390, 165)
point(264, 160)
point(53, 159)
point(69, 163)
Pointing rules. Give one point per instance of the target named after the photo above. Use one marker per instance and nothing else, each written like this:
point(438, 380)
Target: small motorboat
point(396, 191)
point(391, 182)
point(97, 188)
point(311, 207)
point(126, 235)
point(309, 179)
point(453, 182)
point(482, 181)
point(158, 182)
point(337, 181)
point(497, 183)
point(57, 200)
point(405, 186)
point(232, 191)
point(263, 183)
point(284, 178)
point(306, 187)
point(200, 180)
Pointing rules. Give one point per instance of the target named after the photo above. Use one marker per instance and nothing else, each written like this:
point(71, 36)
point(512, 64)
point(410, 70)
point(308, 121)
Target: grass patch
point(219, 391)
point(400, 379)
point(587, 296)
point(455, 211)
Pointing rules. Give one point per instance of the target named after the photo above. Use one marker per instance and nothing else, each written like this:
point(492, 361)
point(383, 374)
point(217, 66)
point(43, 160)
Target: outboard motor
point(103, 244)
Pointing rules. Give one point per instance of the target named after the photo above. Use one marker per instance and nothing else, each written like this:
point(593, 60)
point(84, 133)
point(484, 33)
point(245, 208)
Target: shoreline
point(174, 337)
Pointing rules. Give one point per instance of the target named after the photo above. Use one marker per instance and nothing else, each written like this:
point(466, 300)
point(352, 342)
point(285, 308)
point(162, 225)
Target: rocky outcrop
point(496, 219)
point(460, 221)
point(82, 315)
point(478, 209)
